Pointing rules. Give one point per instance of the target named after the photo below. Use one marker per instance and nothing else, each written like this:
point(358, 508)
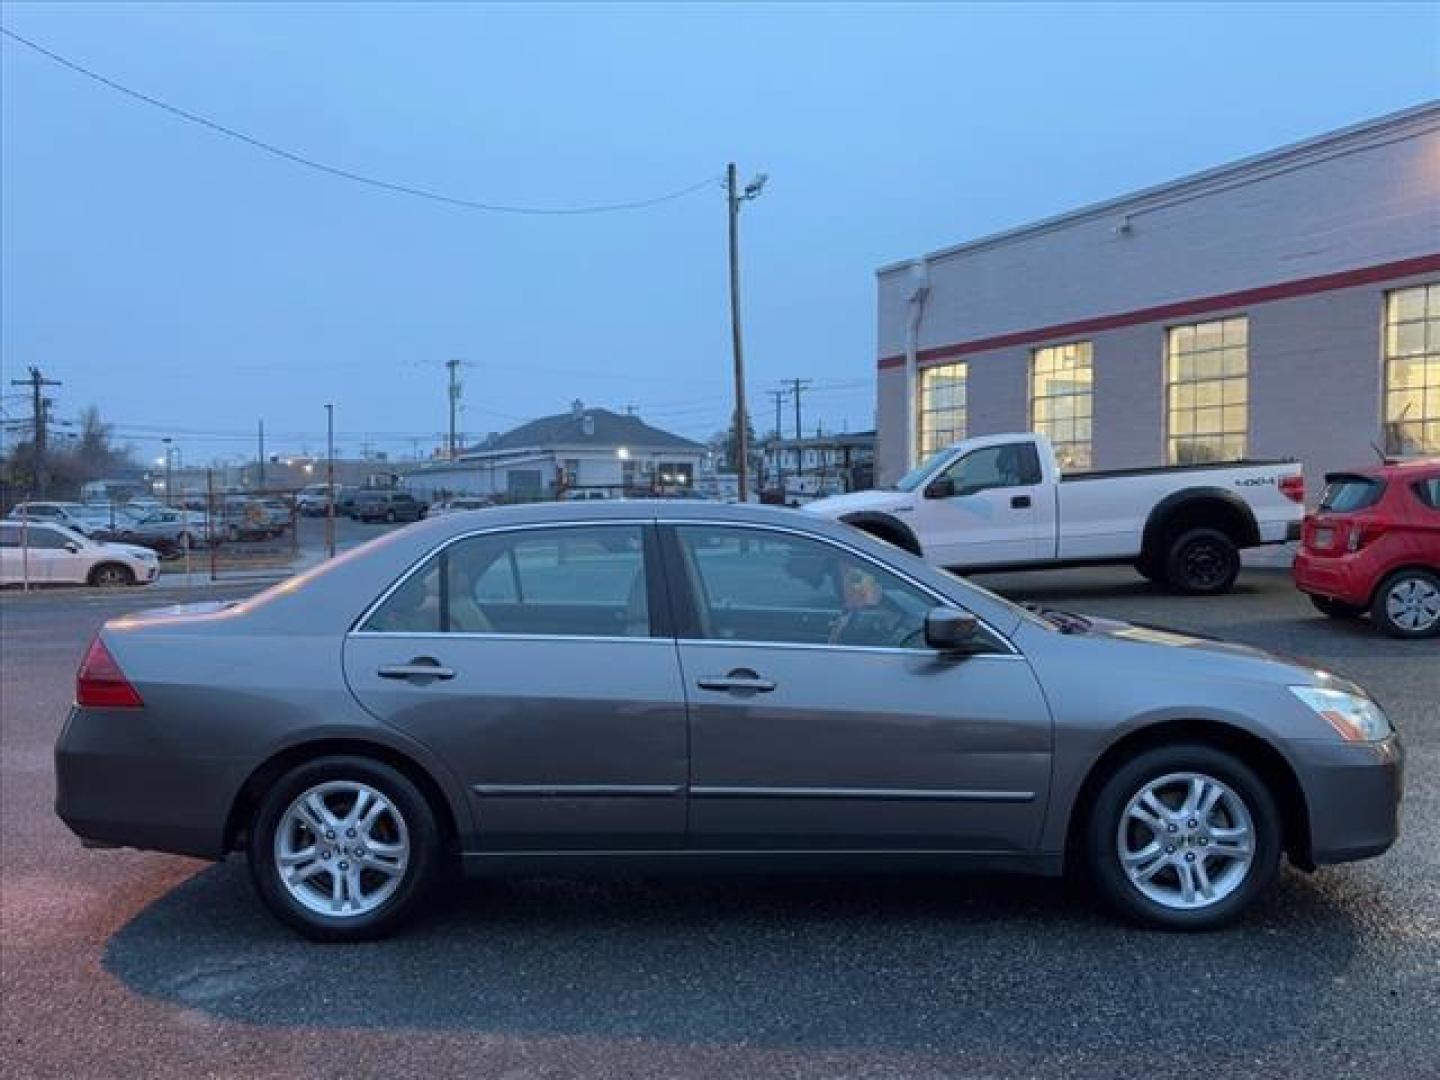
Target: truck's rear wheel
point(1203, 562)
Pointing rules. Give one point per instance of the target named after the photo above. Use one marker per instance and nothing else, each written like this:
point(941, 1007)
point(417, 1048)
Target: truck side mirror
point(943, 488)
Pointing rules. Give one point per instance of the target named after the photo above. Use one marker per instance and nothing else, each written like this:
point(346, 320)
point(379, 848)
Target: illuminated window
point(1061, 385)
point(1207, 391)
point(942, 407)
point(1412, 370)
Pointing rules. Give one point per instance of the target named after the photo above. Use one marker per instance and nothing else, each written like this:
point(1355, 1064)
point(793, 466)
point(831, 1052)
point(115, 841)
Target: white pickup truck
point(1000, 503)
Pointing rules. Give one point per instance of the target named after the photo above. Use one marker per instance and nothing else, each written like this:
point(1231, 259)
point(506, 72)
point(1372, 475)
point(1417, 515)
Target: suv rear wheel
point(1407, 604)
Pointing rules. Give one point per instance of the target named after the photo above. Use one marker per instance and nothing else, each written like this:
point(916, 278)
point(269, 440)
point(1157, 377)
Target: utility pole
point(733, 199)
point(454, 392)
point(169, 473)
point(260, 459)
point(779, 396)
point(330, 479)
point(797, 387)
point(40, 412)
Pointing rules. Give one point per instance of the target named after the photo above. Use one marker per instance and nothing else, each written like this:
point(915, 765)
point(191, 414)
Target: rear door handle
point(740, 679)
point(421, 669)
point(1019, 502)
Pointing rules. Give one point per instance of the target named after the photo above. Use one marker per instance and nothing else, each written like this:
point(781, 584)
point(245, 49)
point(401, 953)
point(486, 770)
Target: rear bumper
point(118, 785)
point(1339, 577)
point(1353, 791)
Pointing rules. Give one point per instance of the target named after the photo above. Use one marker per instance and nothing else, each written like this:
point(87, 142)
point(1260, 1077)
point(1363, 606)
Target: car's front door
point(528, 659)
point(819, 720)
point(984, 509)
point(46, 555)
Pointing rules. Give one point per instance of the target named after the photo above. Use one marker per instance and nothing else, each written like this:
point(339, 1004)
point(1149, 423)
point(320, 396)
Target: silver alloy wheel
point(341, 849)
point(1186, 841)
point(1413, 604)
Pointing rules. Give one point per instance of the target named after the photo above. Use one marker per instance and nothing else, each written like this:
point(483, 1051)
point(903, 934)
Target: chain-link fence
point(247, 531)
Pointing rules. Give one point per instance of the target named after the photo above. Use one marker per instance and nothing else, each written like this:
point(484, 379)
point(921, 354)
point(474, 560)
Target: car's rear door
point(820, 721)
point(539, 663)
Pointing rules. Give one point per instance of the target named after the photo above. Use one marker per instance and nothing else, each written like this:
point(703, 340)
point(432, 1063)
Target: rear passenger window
point(1428, 492)
point(585, 581)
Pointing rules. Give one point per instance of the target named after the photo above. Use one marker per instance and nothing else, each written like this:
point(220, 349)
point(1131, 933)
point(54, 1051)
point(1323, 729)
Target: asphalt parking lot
point(126, 964)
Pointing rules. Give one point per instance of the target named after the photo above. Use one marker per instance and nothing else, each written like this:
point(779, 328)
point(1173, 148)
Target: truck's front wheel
point(1202, 562)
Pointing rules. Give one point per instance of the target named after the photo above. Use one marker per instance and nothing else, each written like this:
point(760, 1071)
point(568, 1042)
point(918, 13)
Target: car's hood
point(1221, 658)
point(839, 506)
point(135, 551)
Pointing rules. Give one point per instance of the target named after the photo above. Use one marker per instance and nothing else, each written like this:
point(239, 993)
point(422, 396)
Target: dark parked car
point(646, 685)
point(1373, 546)
point(387, 506)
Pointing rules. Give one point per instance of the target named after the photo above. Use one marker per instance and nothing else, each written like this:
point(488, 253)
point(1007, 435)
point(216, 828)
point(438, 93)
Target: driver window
point(1010, 465)
point(756, 585)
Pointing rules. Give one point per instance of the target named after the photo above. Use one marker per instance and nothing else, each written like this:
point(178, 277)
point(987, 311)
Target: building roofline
point(1367, 134)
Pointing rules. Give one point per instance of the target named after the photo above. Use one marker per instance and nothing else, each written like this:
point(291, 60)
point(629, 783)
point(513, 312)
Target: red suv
point(1374, 544)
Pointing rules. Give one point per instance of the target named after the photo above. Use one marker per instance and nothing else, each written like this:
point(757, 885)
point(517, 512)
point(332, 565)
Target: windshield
point(917, 476)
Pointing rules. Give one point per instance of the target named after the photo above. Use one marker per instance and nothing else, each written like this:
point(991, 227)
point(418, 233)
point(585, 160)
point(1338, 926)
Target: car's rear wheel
point(112, 576)
point(1203, 562)
point(344, 849)
point(1335, 609)
point(1183, 838)
point(1407, 604)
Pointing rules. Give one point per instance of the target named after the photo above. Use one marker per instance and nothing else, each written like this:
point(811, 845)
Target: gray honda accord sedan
point(633, 685)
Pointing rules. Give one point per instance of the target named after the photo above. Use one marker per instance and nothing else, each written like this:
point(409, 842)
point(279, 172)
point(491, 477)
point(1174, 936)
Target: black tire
point(416, 882)
point(1101, 852)
point(1202, 562)
point(390, 517)
point(1413, 582)
point(112, 576)
point(1335, 609)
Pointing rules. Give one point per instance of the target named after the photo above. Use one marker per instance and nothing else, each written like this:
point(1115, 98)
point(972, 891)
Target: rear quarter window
point(1428, 492)
point(1346, 494)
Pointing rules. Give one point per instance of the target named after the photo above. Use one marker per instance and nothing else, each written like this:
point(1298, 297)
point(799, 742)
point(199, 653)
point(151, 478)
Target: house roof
point(600, 428)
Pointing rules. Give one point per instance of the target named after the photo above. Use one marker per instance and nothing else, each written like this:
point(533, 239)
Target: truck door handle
point(421, 669)
point(740, 679)
point(1019, 502)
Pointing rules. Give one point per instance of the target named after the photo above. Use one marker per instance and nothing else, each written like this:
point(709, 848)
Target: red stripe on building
point(1345, 279)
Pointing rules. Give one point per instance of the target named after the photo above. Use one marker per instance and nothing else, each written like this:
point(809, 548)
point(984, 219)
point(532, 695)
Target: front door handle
point(742, 679)
point(1019, 502)
point(421, 669)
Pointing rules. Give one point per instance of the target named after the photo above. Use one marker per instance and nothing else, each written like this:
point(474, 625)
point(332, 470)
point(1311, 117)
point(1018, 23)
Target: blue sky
point(187, 284)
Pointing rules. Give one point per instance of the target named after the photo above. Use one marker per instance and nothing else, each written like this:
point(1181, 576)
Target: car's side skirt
point(479, 864)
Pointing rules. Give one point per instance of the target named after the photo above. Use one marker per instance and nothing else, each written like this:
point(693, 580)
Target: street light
point(733, 199)
point(330, 479)
point(169, 487)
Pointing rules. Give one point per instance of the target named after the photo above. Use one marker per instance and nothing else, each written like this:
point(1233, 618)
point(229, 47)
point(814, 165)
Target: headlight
point(1354, 716)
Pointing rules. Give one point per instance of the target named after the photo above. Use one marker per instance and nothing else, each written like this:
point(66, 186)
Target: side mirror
point(72, 547)
point(950, 630)
point(943, 488)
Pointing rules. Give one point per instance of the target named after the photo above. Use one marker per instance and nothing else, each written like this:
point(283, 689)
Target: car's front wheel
point(344, 849)
point(1407, 604)
point(1183, 837)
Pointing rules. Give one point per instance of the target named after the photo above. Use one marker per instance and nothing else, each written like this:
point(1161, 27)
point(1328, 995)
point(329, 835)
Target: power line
point(346, 174)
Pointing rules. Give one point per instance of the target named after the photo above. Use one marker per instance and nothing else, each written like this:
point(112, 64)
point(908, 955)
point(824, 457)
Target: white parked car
point(72, 515)
point(1000, 503)
point(44, 554)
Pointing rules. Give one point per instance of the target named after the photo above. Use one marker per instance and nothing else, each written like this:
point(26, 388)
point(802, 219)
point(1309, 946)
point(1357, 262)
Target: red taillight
point(1293, 487)
point(100, 684)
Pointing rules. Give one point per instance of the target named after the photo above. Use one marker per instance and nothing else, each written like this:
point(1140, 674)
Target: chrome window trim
point(1009, 649)
point(940, 599)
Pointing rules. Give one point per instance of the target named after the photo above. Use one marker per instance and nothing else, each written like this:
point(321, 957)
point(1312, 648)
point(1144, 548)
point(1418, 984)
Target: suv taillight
point(100, 684)
point(1293, 487)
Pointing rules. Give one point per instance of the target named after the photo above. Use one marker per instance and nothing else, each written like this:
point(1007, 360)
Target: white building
point(587, 450)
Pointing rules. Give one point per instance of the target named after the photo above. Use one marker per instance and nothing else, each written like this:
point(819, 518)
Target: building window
point(942, 407)
point(1061, 386)
point(1207, 391)
point(1412, 370)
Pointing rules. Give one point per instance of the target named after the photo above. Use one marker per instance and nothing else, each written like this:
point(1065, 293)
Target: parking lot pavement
point(127, 964)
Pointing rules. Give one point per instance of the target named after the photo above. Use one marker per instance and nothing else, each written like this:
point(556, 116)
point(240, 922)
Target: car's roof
point(1407, 468)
